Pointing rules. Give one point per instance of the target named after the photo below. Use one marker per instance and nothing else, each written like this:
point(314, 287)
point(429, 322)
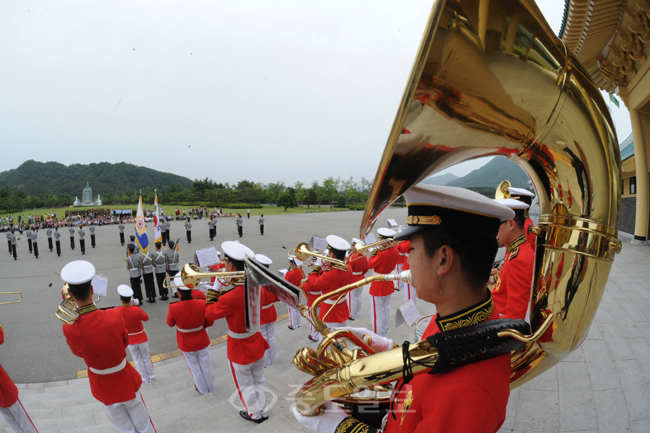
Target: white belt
point(402, 254)
point(189, 330)
point(267, 306)
point(242, 335)
point(111, 370)
point(315, 293)
point(357, 273)
point(136, 333)
point(331, 301)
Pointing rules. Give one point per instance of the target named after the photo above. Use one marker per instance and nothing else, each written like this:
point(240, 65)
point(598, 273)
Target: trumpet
point(68, 308)
point(192, 276)
point(362, 249)
point(302, 252)
point(12, 302)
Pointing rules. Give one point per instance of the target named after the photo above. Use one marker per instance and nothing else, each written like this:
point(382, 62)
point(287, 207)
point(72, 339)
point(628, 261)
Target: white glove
point(319, 262)
point(377, 343)
point(217, 286)
point(135, 302)
point(332, 416)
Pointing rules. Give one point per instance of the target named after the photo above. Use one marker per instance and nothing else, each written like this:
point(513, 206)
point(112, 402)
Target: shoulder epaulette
point(514, 253)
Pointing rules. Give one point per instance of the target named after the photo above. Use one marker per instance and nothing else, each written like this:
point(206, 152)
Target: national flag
point(156, 219)
point(141, 229)
point(613, 99)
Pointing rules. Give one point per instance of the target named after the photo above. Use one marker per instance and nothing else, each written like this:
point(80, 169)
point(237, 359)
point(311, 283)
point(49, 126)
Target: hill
point(492, 173)
point(37, 178)
point(442, 179)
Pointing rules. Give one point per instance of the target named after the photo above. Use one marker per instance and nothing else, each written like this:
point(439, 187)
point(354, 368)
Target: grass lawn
point(170, 208)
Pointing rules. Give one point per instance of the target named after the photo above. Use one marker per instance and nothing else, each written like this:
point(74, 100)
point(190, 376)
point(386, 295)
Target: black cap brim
point(406, 234)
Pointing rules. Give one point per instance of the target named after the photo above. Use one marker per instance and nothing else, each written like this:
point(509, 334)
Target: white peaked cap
point(386, 232)
point(218, 253)
point(338, 243)
point(358, 241)
point(520, 192)
point(236, 250)
point(452, 208)
point(295, 260)
point(178, 282)
point(78, 272)
point(512, 203)
point(263, 259)
point(124, 290)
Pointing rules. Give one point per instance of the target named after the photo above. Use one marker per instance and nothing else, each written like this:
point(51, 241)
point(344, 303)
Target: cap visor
point(407, 233)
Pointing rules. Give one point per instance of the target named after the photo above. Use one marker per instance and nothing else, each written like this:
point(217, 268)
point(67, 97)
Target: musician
point(82, 240)
point(525, 196)
point(146, 265)
point(212, 227)
point(35, 242)
point(133, 265)
point(133, 317)
point(163, 231)
point(512, 281)
point(100, 337)
point(453, 243)
point(92, 234)
point(410, 293)
point(382, 261)
point(188, 230)
point(71, 230)
point(324, 279)
point(188, 315)
point(172, 256)
point(28, 235)
point(295, 276)
point(11, 407)
point(121, 227)
point(160, 264)
point(268, 315)
point(57, 241)
point(245, 348)
point(358, 264)
point(49, 238)
point(261, 222)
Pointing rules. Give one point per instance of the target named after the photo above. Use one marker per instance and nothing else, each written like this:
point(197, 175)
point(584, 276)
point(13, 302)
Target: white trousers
point(201, 369)
point(410, 293)
point(294, 317)
point(18, 418)
point(312, 331)
point(268, 332)
point(401, 285)
point(251, 386)
point(142, 358)
point(130, 416)
point(355, 302)
point(330, 325)
point(380, 314)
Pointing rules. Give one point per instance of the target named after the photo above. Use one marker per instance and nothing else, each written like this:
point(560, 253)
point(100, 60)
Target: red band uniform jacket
point(8, 390)
point(358, 264)
point(268, 313)
point(295, 276)
point(383, 262)
point(100, 338)
point(133, 317)
point(231, 306)
point(325, 282)
point(511, 292)
point(404, 249)
point(189, 313)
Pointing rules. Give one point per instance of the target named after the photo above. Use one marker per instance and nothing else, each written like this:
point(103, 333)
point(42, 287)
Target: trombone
point(192, 276)
point(362, 249)
point(303, 253)
point(12, 302)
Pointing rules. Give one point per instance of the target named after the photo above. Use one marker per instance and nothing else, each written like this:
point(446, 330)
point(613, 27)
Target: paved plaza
point(601, 387)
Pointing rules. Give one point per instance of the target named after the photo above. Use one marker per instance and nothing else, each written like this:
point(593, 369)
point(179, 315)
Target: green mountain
point(36, 178)
point(492, 173)
point(442, 179)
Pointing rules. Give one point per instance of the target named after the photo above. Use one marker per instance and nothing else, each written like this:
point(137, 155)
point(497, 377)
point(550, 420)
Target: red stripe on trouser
point(374, 319)
point(408, 287)
point(234, 378)
point(145, 406)
point(26, 414)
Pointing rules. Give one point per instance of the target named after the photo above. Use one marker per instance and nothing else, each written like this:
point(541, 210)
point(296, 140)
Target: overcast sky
point(230, 90)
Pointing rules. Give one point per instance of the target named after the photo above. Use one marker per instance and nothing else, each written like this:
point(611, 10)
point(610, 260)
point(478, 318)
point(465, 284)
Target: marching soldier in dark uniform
point(13, 245)
point(121, 227)
point(169, 230)
point(212, 224)
point(35, 242)
point(49, 238)
point(82, 240)
point(240, 225)
point(261, 221)
point(71, 230)
point(133, 265)
point(146, 261)
point(57, 241)
point(188, 230)
point(163, 231)
point(172, 257)
point(28, 235)
point(160, 262)
point(92, 234)
point(9, 240)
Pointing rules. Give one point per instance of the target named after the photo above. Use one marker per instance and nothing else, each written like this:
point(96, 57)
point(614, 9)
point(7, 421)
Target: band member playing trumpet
point(245, 348)
point(525, 196)
point(11, 407)
point(453, 243)
point(138, 342)
point(295, 276)
point(382, 261)
point(324, 279)
point(358, 264)
point(100, 337)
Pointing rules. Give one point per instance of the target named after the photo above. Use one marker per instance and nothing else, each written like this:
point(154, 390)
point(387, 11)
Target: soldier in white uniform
point(163, 232)
point(71, 230)
point(35, 243)
point(188, 230)
point(261, 221)
point(160, 262)
point(28, 235)
point(9, 241)
point(121, 227)
point(146, 263)
point(212, 224)
point(57, 241)
point(172, 257)
point(82, 240)
point(49, 238)
point(133, 265)
point(92, 234)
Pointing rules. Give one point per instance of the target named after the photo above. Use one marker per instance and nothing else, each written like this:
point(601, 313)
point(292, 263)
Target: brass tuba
point(491, 79)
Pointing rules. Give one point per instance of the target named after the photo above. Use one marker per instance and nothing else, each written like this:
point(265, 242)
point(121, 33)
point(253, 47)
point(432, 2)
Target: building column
point(642, 181)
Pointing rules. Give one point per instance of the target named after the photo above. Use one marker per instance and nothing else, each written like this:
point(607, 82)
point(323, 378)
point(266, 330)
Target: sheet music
point(100, 284)
point(282, 273)
point(318, 243)
point(392, 224)
point(206, 256)
point(407, 312)
point(370, 239)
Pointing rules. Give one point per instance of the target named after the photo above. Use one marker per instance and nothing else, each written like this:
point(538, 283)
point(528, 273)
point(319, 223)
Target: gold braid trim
point(351, 425)
point(516, 243)
point(474, 316)
point(87, 309)
point(213, 296)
